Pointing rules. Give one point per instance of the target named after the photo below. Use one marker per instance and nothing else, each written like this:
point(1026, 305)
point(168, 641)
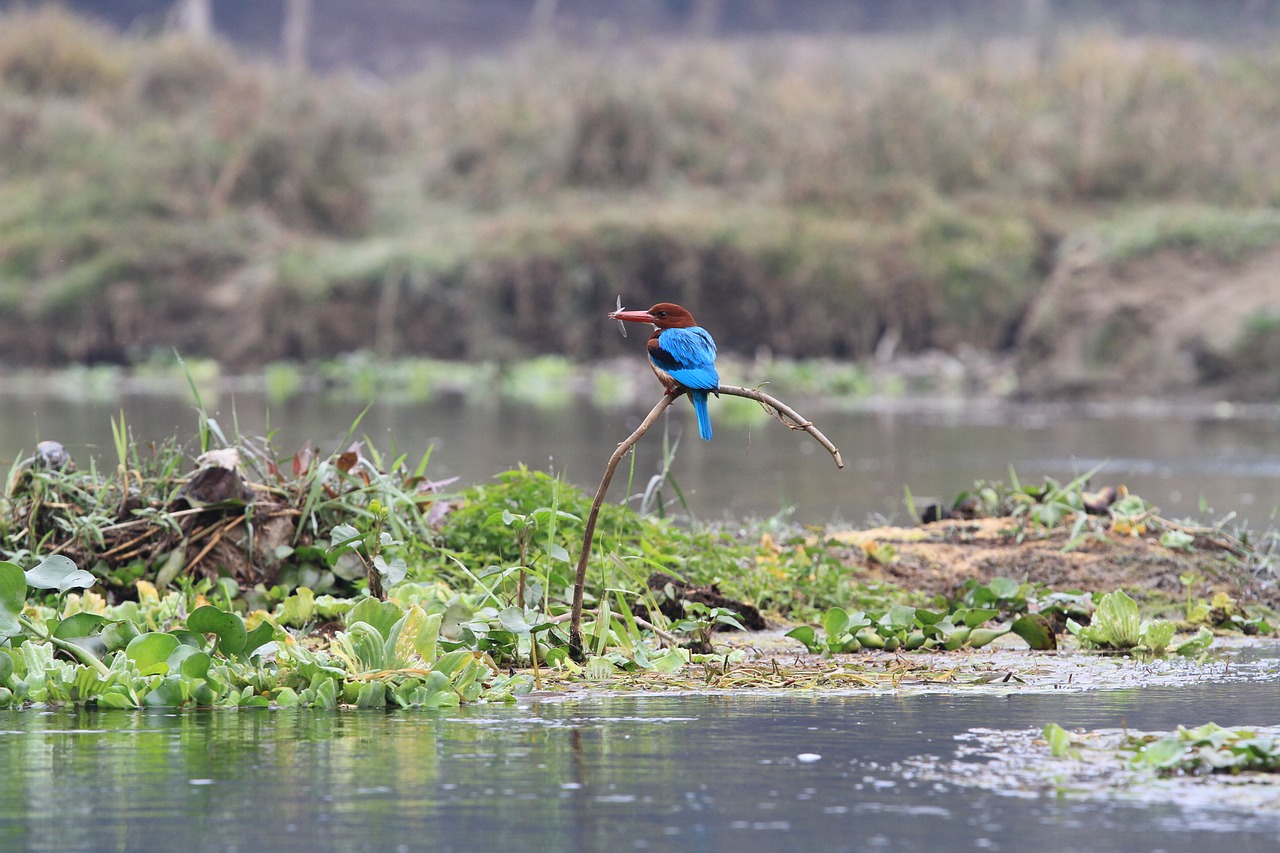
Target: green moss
point(1227, 234)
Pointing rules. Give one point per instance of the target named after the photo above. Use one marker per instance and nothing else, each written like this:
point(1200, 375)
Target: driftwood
point(784, 413)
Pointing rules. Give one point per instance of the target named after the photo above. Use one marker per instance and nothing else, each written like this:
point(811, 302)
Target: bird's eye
point(662, 313)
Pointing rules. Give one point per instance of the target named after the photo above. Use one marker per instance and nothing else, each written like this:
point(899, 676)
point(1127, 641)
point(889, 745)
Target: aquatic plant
point(145, 654)
point(1117, 626)
point(917, 629)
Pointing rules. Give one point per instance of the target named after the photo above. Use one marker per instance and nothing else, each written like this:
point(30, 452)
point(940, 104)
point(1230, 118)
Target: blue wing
point(688, 356)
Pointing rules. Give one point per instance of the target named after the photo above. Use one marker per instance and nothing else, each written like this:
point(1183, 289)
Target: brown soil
point(1177, 321)
point(938, 558)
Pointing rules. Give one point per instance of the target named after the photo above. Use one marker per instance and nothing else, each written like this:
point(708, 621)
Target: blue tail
point(699, 399)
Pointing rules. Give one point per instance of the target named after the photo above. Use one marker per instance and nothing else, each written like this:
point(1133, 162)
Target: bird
point(682, 355)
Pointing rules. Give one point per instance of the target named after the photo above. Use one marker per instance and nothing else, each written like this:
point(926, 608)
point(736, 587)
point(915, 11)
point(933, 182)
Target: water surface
point(740, 773)
point(1182, 459)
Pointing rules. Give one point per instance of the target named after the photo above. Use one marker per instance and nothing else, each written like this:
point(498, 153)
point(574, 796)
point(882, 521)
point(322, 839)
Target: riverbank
point(166, 195)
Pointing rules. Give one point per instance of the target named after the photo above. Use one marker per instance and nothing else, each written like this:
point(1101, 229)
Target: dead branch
point(784, 413)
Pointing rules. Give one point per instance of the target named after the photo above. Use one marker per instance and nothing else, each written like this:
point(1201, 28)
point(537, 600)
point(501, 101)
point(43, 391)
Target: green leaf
point(1197, 644)
point(670, 661)
point(1058, 739)
point(1117, 623)
point(169, 693)
point(343, 536)
point(150, 652)
point(806, 636)
point(979, 616)
point(835, 622)
point(393, 571)
point(902, 617)
point(1004, 588)
point(196, 664)
point(1164, 753)
point(381, 615)
point(1036, 630)
point(79, 625)
point(257, 638)
point(13, 595)
point(118, 634)
point(512, 618)
point(427, 639)
point(228, 627)
point(60, 573)
point(299, 608)
point(1177, 540)
point(1157, 634)
point(170, 568)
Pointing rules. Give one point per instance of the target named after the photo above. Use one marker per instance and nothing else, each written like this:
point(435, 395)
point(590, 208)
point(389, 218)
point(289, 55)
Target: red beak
point(632, 316)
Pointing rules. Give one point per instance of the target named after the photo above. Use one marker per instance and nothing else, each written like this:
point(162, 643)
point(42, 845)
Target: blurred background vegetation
point(814, 179)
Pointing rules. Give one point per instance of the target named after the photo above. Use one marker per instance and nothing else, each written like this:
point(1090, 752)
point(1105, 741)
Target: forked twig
point(784, 413)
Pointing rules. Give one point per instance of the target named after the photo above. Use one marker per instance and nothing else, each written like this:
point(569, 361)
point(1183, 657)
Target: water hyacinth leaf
point(979, 616)
point(79, 625)
point(60, 573)
point(196, 664)
point(805, 635)
point(228, 627)
point(6, 667)
point(1164, 753)
point(979, 637)
point(902, 616)
point(13, 594)
point(169, 693)
point(1036, 631)
point(835, 622)
point(150, 652)
point(92, 645)
point(1004, 588)
point(257, 638)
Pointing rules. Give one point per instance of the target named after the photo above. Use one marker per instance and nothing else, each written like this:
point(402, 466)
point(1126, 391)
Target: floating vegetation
point(1207, 766)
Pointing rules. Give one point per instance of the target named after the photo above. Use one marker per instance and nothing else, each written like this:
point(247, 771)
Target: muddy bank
point(1178, 321)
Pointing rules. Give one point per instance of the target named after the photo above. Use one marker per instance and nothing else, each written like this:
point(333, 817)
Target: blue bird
point(682, 355)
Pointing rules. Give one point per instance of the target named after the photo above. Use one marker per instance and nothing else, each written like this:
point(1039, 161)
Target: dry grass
point(822, 195)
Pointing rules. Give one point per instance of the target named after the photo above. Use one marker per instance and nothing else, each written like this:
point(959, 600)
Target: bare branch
point(784, 413)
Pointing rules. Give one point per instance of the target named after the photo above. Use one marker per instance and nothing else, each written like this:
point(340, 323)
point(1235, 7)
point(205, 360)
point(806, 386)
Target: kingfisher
point(682, 355)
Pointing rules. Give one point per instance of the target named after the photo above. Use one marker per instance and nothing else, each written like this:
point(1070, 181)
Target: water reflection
point(652, 773)
point(1177, 459)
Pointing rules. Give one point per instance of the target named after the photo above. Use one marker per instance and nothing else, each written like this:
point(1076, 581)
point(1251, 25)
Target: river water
point(1190, 461)
point(718, 773)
